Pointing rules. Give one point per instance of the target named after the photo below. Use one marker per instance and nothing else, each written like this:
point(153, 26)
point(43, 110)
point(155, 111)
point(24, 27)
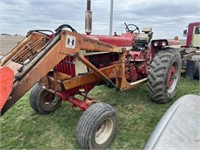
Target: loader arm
point(37, 55)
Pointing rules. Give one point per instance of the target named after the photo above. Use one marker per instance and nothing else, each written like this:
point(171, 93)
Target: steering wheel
point(135, 29)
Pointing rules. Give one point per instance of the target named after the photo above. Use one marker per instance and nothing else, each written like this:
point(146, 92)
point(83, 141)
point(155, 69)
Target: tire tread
point(158, 74)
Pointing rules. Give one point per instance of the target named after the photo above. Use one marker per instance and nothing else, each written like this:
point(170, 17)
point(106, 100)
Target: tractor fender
point(179, 127)
point(165, 43)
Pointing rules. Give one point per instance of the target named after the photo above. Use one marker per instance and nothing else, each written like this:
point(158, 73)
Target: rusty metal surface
point(27, 47)
point(34, 75)
point(45, 55)
point(6, 80)
point(97, 71)
point(37, 71)
point(13, 51)
point(46, 59)
point(91, 77)
point(74, 42)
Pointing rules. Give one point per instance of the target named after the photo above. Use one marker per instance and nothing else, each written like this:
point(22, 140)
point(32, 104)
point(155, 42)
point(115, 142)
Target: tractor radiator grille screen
point(67, 66)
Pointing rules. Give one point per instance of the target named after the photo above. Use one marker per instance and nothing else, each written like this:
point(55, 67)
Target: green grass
point(22, 128)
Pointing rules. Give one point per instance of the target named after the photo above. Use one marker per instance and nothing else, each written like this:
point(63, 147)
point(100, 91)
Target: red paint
point(75, 91)
point(71, 92)
point(103, 60)
point(51, 36)
point(136, 65)
point(123, 40)
point(170, 79)
point(49, 97)
point(67, 66)
point(168, 42)
point(130, 72)
point(83, 105)
point(68, 95)
point(190, 33)
point(6, 82)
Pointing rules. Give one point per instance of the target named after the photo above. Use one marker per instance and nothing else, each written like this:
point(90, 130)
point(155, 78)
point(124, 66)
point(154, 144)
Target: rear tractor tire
point(42, 101)
point(97, 127)
point(196, 58)
point(164, 74)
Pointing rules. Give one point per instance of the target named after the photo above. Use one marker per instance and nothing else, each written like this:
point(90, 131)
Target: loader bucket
point(6, 82)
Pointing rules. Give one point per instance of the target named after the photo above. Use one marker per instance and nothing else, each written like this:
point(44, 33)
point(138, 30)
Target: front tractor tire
point(164, 74)
point(97, 127)
point(42, 101)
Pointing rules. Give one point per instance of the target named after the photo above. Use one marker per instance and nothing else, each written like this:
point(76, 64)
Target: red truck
point(190, 52)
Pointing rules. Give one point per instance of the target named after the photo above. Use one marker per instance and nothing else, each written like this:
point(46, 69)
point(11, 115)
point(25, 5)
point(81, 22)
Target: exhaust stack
point(88, 18)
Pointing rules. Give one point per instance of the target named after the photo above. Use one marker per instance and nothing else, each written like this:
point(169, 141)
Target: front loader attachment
point(25, 65)
point(36, 57)
point(43, 58)
point(6, 83)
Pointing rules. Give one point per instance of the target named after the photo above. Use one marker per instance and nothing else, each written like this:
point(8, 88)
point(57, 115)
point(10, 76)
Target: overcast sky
point(168, 18)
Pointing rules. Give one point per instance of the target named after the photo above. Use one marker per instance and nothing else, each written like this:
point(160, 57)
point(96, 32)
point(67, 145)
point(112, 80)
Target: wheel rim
point(104, 131)
point(172, 78)
point(49, 101)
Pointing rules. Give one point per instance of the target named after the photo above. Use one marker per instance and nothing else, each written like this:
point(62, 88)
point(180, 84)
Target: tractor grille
point(67, 66)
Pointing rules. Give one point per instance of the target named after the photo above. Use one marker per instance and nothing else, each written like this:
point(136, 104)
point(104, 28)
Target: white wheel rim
point(104, 131)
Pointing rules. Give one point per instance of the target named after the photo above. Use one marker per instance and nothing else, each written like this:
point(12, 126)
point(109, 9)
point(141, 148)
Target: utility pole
point(111, 17)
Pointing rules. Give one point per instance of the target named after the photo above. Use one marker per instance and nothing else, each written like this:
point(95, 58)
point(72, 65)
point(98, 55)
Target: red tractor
point(63, 64)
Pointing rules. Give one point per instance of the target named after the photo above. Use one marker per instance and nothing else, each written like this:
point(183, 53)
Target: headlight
point(155, 43)
point(164, 43)
point(141, 48)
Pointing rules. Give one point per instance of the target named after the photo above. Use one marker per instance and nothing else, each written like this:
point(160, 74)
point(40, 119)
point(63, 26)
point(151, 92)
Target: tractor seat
point(146, 35)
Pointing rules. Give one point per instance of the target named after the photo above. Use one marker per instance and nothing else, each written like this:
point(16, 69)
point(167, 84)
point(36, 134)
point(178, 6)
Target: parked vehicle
point(190, 53)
